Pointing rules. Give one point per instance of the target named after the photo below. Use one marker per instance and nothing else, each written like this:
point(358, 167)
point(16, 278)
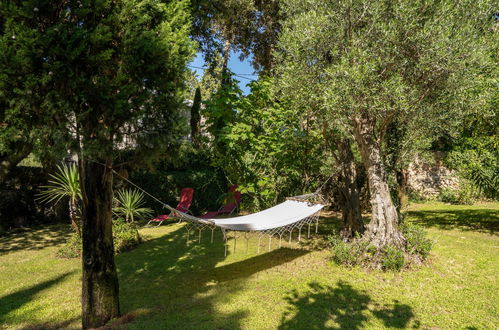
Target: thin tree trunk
point(349, 192)
point(74, 217)
point(226, 55)
point(225, 63)
point(100, 289)
point(196, 118)
point(383, 227)
point(402, 188)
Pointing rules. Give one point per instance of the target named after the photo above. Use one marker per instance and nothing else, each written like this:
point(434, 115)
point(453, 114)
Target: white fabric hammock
point(284, 218)
point(281, 215)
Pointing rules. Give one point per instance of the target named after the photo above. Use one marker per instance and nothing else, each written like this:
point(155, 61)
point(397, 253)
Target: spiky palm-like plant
point(129, 203)
point(64, 183)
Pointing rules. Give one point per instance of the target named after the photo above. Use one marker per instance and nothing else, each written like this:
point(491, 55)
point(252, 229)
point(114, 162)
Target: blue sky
point(241, 68)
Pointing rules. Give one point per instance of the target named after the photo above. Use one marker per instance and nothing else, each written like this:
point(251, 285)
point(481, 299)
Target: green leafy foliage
point(466, 194)
point(130, 205)
point(191, 168)
point(125, 237)
point(64, 183)
point(358, 252)
point(387, 74)
point(392, 258)
point(72, 248)
point(476, 160)
point(417, 241)
point(264, 144)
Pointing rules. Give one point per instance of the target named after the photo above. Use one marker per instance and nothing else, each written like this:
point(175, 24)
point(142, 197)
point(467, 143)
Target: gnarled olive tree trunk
point(383, 227)
point(100, 289)
point(349, 192)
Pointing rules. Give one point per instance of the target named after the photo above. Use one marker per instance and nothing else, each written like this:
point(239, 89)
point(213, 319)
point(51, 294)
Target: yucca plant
point(64, 183)
point(130, 203)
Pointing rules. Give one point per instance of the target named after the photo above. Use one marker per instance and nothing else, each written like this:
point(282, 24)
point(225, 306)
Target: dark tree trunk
point(349, 192)
point(196, 118)
point(402, 188)
point(100, 300)
point(10, 160)
point(383, 227)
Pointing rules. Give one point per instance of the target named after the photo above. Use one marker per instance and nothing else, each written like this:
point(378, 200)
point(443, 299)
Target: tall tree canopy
point(363, 65)
point(107, 76)
point(249, 26)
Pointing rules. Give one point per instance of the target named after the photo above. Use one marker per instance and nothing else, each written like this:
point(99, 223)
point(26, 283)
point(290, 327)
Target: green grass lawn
point(166, 284)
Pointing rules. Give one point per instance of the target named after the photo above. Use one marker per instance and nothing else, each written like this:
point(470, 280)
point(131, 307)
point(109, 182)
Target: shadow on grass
point(329, 224)
point(35, 238)
point(180, 285)
point(16, 300)
point(341, 306)
point(480, 220)
point(51, 325)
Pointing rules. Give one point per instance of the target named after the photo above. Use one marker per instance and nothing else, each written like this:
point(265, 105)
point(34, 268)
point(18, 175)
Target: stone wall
point(428, 179)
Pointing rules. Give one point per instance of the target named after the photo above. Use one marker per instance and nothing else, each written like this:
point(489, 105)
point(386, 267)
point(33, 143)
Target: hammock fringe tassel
point(282, 219)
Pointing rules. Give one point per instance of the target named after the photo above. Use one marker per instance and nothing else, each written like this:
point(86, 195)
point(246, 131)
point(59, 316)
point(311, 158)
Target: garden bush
point(353, 253)
point(72, 248)
point(359, 252)
point(125, 236)
point(417, 242)
point(465, 195)
point(392, 258)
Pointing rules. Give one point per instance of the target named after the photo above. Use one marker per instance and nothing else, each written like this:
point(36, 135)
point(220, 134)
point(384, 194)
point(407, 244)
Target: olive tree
point(363, 65)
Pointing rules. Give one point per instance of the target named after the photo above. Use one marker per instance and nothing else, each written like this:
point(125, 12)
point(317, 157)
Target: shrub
point(129, 204)
point(448, 195)
point(417, 243)
point(392, 258)
point(125, 237)
point(465, 195)
point(388, 258)
point(72, 248)
point(356, 252)
point(342, 252)
point(416, 197)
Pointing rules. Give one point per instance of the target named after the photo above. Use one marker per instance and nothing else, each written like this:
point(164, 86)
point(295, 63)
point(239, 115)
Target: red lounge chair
point(183, 206)
point(229, 207)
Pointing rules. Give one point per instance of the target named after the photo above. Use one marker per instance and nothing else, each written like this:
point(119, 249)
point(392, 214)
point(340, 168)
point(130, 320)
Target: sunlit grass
point(166, 284)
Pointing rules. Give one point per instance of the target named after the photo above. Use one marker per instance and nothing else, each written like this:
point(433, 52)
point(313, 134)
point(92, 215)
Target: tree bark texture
point(349, 192)
point(402, 176)
point(73, 216)
point(225, 62)
point(383, 228)
point(100, 289)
